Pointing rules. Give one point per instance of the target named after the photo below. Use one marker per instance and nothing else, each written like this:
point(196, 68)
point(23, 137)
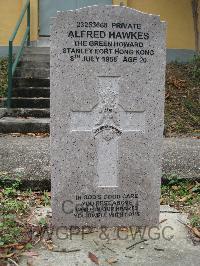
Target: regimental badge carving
point(108, 124)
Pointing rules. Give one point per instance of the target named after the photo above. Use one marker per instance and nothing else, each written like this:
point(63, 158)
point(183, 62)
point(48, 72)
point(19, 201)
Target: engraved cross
point(108, 120)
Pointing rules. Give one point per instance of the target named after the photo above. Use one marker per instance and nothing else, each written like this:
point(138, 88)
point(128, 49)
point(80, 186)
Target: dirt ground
point(182, 101)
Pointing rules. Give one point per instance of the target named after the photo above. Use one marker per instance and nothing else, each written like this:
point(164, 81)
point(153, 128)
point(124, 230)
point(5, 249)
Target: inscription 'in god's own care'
point(106, 205)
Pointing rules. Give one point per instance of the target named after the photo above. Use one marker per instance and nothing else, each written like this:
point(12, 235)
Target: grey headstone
point(107, 105)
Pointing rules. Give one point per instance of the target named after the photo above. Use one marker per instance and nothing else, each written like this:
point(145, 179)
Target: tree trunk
point(195, 14)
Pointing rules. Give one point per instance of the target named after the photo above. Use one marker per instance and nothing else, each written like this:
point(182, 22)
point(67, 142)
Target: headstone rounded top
point(111, 10)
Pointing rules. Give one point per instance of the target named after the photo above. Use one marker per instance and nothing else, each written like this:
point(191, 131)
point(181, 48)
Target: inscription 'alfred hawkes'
point(108, 120)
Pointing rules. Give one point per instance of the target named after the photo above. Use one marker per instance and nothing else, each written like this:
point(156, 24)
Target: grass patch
point(17, 233)
point(3, 76)
point(195, 69)
point(195, 221)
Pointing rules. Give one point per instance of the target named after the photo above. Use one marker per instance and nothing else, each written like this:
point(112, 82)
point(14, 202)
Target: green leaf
point(1, 243)
point(42, 221)
point(28, 246)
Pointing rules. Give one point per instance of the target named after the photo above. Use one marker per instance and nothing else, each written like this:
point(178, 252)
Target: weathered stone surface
point(107, 101)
